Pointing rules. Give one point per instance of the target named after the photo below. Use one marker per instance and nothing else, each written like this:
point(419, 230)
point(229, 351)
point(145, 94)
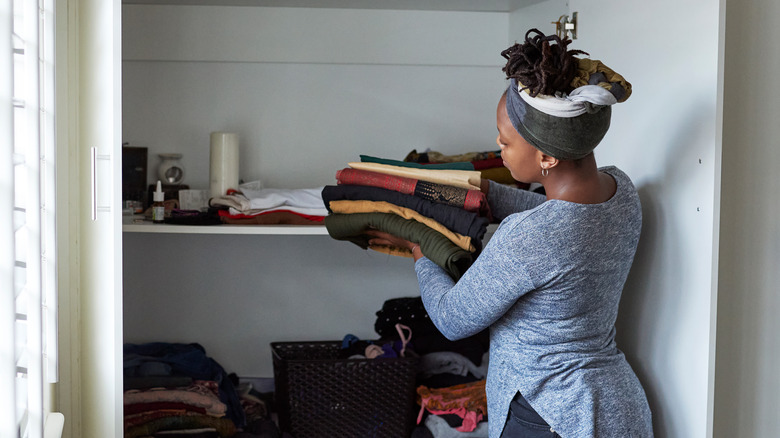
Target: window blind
point(28, 267)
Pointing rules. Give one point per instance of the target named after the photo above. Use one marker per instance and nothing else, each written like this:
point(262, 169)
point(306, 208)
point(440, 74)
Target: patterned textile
point(469, 200)
point(594, 72)
point(468, 401)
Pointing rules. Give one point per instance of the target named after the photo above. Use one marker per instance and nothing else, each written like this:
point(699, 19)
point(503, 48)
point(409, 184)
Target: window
point(28, 320)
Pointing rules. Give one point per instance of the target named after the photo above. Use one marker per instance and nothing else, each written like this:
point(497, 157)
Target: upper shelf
point(426, 5)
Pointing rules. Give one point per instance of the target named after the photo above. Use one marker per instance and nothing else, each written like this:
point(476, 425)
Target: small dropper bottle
point(158, 208)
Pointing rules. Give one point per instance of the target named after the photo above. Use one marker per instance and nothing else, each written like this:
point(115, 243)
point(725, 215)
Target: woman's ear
point(547, 161)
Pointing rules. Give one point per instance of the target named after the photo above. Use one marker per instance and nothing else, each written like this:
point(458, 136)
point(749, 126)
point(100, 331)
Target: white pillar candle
point(223, 174)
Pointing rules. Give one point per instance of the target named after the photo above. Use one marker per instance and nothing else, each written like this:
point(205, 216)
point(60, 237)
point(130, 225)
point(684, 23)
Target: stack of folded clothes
point(271, 206)
point(175, 390)
point(489, 164)
point(439, 206)
point(183, 409)
point(175, 387)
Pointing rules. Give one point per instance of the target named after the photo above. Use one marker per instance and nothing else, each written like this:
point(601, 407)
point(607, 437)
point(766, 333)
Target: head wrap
point(568, 126)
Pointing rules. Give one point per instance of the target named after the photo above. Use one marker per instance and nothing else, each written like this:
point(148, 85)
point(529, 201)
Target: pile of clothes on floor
point(175, 390)
point(439, 205)
point(451, 399)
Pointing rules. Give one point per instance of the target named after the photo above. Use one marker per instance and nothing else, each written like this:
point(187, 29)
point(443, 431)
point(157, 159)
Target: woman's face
point(522, 159)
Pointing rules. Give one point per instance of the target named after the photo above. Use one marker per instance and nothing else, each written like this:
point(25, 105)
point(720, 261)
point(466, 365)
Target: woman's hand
point(382, 238)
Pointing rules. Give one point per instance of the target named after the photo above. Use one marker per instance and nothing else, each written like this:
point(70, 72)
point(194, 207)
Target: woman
point(549, 281)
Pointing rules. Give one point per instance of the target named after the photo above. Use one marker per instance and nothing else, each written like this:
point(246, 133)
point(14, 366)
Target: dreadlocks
point(540, 67)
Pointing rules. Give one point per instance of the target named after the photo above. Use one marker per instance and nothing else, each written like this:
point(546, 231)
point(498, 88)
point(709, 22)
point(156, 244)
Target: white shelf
point(136, 224)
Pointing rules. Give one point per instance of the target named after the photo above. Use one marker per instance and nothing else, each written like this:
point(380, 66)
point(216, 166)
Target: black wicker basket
point(320, 395)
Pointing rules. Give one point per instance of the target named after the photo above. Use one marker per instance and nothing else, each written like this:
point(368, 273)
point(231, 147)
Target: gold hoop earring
point(545, 172)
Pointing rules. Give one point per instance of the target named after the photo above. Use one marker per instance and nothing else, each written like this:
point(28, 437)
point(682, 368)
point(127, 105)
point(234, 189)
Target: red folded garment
point(274, 217)
point(469, 200)
point(488, 163)
point(356, 177)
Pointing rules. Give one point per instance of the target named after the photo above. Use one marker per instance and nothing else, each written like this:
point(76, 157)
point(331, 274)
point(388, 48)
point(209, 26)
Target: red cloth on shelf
point(274, 217)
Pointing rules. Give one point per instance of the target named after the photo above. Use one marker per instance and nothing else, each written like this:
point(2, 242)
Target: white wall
point(747, 391)
point(538, 16)
point(664, 137)
point(308, 90)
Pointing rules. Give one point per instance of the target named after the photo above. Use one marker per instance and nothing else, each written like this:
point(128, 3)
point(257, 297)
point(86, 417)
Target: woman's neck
point(579, 182)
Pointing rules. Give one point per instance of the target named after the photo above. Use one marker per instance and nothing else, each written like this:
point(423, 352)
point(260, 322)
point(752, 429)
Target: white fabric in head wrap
point(580, 101)
point(567, 128)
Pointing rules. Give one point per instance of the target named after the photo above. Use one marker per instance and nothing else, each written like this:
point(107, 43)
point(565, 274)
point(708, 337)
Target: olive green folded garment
point(436, 247)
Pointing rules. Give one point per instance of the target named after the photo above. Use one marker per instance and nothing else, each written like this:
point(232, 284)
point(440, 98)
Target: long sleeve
point(483, 295)
point(504, 200)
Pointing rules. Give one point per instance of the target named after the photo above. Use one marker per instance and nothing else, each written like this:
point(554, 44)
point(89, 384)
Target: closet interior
point(312, 84)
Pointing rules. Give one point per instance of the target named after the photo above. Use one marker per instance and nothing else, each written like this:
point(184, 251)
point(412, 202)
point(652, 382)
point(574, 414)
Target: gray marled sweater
point(548, 285)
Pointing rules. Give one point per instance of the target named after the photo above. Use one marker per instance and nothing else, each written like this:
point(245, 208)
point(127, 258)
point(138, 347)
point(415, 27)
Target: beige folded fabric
point(467, 179)
point(347, 207)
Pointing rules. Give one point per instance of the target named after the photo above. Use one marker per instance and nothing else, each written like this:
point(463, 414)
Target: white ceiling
point(432, 5)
